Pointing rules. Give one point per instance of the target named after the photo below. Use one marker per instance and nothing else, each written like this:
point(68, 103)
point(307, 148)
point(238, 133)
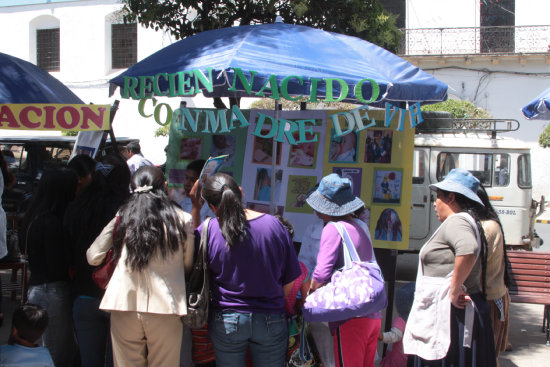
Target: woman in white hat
point(450, 322)
point(355, 340)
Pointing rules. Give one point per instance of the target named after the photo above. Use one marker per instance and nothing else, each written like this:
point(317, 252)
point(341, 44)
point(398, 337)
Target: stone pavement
point(526, 337)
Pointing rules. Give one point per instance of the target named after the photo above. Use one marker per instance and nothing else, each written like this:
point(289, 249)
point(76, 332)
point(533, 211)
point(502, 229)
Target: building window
point(123, 45)
point(47, 49)
point(497, 20)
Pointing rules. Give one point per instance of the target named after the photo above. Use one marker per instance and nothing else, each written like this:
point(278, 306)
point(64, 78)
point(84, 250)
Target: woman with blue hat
point(450, 322)
point(355, 339)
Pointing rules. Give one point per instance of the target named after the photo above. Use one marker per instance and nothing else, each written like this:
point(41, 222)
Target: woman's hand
point(195, 195)
point(459, 298)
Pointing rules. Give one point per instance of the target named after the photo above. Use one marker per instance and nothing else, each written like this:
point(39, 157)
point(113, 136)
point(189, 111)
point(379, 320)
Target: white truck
point(501, 164)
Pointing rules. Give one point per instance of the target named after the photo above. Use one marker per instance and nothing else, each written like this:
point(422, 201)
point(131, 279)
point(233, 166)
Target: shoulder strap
point(350, 253)
point(203, 247)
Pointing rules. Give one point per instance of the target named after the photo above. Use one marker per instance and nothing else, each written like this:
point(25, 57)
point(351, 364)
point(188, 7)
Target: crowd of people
point(83, 213)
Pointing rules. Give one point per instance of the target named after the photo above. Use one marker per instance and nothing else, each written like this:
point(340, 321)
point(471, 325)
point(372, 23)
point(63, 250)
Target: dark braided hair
point(489, 213)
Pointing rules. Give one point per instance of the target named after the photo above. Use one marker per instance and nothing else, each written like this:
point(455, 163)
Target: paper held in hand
point(212, 165)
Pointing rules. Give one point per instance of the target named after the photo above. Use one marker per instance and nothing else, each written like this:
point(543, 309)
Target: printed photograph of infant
point(387, 186)
point(303, 155)
point(262, 188)
point(223, 144)
point(343, 148)
point(263, 150)
point(190, 148)
point(388, 226)
point(378, 145)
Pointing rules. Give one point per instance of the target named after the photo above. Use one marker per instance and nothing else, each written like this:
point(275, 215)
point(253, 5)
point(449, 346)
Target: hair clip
point(144, 188)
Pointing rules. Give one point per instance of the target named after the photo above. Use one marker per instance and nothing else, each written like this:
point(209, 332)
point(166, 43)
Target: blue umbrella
point(23, 82)
point(290, 50)
point(539, 108)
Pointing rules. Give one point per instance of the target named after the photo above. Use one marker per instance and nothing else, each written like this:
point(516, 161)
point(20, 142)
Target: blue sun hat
point(461, 181)
point(334, 197)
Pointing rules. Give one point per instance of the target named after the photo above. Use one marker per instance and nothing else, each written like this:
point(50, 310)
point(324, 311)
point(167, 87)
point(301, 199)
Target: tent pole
point(272, 205)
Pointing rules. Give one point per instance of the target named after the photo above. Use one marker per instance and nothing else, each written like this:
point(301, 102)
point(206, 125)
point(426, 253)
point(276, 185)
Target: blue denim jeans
point(92, 327)
point(59, 336)
point(233, 332)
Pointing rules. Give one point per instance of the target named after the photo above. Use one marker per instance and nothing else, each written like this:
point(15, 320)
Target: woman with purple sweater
point(355, 339)
point(252, 267)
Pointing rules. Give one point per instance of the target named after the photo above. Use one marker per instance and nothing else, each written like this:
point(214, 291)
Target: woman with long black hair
point(252, 264)
point(49, 285)
point(152, 239)
point(98, 203)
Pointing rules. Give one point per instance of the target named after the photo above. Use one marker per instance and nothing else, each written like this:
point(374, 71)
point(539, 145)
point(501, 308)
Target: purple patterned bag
point(357, 290)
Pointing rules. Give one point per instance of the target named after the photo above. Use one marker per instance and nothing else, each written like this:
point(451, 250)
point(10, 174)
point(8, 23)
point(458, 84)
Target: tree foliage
point(365, 19)
point(544, 137)
point(459, 109)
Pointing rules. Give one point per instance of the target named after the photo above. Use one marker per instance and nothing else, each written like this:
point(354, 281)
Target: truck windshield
point(480, 165)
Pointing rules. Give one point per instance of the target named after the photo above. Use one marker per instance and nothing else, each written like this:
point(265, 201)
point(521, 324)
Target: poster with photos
point(304, 155)
point(387, 186)
point(190, 148)
point(297, 191)
point(378, 146)
point(388, 226)
point(344, 148)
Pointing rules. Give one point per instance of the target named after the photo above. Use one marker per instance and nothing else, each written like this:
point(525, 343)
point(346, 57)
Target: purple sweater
point(331, 256)
point(249, 276)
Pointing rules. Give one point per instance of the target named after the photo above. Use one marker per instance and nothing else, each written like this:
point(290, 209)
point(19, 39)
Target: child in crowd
point(403, 302)
point(28, 323)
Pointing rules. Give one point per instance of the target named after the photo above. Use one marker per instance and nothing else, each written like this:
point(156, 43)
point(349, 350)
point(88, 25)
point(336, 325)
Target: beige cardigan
point(159, 288)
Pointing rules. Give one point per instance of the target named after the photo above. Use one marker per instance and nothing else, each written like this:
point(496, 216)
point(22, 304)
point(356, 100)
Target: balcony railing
point(475, 40)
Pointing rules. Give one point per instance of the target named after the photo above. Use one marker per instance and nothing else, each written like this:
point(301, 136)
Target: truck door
point(420, 203)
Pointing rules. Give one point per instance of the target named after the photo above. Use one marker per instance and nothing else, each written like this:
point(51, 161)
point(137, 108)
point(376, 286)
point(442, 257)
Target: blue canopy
point(23, 82)
point(539, 108)
point(290, 50)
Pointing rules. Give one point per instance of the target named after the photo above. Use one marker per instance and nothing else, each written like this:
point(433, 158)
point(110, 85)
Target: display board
point(377, 159)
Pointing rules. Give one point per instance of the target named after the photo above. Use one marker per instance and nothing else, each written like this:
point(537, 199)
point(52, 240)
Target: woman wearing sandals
point(153, 242)
point(450, 320)
point(355, 340)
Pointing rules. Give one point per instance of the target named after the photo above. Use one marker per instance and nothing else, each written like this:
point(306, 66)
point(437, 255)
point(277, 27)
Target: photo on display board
point(343, 148)
point(378, 146)
point(262, 186)
point(263, 150)
point(304, 155)
point(354, 174)
point(297, 190)
point(264, 208)
point(388, 226)
point(221, 145)
point(387, 186)
point(190, 148)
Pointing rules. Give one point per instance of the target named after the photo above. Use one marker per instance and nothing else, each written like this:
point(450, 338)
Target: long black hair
point(56, 189)
point(472, 207)
point(221, 191)
point(148, 221)
point(100, 200)
point(489, 213)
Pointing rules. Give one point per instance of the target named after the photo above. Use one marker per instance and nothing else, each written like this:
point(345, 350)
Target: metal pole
point(272, 205)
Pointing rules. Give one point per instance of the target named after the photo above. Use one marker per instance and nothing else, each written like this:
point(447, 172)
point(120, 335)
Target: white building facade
point(493, 53)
